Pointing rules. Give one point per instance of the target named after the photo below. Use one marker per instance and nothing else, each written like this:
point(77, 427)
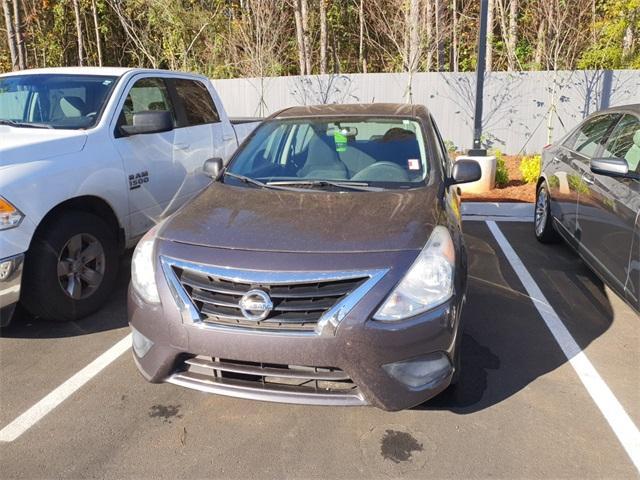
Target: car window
point(590, 137)
point(375, 150)
point(624, 142)
point(145, 95)
point(198, 104)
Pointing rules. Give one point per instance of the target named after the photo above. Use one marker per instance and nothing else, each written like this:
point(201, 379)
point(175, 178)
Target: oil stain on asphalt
point(398, 446)
point(394, 450)
point(165, 412)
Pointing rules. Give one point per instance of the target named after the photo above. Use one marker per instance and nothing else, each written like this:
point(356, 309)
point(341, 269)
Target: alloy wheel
point(542, 208)
point(81, 266)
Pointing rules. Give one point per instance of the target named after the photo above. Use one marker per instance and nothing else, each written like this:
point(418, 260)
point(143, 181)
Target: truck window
point(146, 94)
point(198, 104)
point(54, 100)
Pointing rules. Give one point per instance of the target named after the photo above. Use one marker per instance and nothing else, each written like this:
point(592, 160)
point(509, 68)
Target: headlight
point(428, 283)
point(143, 276)
point(10, 216)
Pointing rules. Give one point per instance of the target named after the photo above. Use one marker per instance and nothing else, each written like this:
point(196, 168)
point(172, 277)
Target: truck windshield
point(53, 100)
point(381, 152)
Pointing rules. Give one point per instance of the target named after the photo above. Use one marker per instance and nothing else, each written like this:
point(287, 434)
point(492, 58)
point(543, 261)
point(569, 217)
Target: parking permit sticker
point(414, 164)
point(341, 141)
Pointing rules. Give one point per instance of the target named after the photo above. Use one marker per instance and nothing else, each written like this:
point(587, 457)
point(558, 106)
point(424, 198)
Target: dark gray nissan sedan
point(324, 265)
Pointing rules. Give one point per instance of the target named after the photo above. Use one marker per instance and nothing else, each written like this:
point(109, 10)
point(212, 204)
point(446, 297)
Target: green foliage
point(530, 168)
point(502, 174)
point(450, 146)
point(617, 32)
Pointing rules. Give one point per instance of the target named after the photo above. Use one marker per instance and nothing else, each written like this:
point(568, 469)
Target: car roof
point(403, 110)
point(633, 107)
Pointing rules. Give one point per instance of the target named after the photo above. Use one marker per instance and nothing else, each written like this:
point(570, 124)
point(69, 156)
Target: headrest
point(75, 102)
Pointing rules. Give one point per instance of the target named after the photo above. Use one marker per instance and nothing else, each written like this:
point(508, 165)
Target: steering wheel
point(382, 172)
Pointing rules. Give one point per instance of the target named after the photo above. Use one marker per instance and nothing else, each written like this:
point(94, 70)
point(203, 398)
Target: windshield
point(383, 152)
point(53, 101)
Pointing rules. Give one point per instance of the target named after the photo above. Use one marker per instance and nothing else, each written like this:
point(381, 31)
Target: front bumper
point(10, 281)
point(359, 347)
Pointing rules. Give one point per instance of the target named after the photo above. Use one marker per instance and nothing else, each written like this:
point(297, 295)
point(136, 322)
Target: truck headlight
point(143, 275)
point(10, 216)
point(428, 282)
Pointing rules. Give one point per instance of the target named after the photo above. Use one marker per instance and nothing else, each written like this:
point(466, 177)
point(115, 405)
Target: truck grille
point(296, 306)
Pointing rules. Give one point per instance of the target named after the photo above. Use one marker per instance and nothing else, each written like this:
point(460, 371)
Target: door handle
point(588, 180)
point(227, 137)
point(182, 146)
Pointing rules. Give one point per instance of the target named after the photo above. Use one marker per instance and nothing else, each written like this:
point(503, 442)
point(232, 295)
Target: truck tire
point(70, 268)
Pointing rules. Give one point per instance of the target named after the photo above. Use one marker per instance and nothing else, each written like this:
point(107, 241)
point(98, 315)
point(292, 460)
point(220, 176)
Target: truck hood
point(31, 144)
point(313, 221)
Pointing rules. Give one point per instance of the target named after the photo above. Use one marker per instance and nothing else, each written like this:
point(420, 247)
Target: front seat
point(77, 103)
point(633, 155)
point(322, 161)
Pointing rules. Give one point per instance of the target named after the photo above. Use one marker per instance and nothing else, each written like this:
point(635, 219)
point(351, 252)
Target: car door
point(572, 161)
point(608, 213)
point(154, 174)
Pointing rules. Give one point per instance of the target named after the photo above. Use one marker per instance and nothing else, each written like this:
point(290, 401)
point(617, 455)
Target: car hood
point(261, 219)
point(18, 145)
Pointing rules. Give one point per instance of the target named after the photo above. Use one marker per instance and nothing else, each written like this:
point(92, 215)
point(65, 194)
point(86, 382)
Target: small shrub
point(530, 168)
point(450, 146)
point(502, 174)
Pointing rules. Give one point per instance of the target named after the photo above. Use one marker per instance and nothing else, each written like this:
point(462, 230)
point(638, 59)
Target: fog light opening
point(421, 372)
point(141, 344)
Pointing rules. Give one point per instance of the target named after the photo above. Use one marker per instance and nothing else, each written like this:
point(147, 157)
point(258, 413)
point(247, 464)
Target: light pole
point(477, 149)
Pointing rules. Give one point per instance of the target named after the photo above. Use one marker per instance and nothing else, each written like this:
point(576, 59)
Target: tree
point(11, 35)
point(323, 37)
point(76, 11)
point(300, 37)
point(96, 26)
point(19, 36)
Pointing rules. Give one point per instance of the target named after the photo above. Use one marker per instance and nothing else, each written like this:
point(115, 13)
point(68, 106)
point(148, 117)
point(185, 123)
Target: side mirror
point(465, 171)
point(152, 121)
point(213, 168)
point(612, 167)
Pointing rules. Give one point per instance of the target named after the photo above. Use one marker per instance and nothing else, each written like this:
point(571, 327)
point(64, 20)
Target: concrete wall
point(523, 111)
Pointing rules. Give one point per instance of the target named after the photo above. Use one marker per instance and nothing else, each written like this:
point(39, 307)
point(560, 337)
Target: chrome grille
point(296, 306)
point(266, 381)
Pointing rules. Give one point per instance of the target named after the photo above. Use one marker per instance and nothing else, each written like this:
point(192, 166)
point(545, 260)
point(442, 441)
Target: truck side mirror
point(152, 121)
point(465, 171)
point(213, 168)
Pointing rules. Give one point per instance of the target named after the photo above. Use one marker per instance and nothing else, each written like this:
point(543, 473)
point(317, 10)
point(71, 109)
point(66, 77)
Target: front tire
point(71, 267)
point(542, 222)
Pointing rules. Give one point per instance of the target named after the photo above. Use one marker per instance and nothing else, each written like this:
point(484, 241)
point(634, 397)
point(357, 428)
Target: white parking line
point(622, 425)
point(34, 414)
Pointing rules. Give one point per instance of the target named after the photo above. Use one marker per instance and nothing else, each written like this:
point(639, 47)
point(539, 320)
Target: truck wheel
point(543, 224)
point(71, 267)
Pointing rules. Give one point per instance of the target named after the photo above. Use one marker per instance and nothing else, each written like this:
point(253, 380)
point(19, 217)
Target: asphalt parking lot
point(522, 410)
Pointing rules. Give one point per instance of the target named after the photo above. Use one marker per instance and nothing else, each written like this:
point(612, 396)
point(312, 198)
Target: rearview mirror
point(213, 168)
point(152, 121)
point(465, 171)
point(612, 167)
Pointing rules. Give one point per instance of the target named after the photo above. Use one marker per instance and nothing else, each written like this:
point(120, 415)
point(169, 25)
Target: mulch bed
point(515, 191)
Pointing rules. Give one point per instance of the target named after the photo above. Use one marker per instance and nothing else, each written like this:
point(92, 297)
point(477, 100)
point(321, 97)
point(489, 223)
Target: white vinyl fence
point(523, 111)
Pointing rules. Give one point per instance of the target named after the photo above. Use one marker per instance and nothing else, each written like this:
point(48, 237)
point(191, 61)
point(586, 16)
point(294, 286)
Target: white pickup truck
point(90, 159)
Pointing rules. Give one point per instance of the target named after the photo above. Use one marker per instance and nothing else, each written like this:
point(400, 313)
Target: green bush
point(502, 174)
point(530, 168)
point(450, 146)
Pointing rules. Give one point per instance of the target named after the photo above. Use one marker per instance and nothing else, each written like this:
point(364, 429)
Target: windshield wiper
point(246, 179)
point(13, 123)
point(363, 186)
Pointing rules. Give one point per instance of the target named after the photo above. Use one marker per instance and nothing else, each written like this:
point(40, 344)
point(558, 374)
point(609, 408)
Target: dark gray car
point(325, 265)
point(589, 194)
